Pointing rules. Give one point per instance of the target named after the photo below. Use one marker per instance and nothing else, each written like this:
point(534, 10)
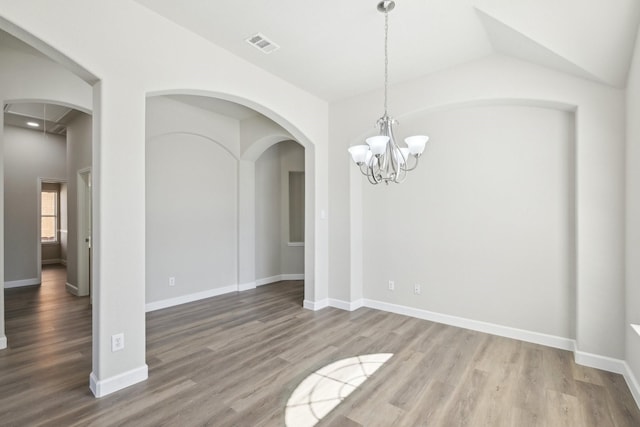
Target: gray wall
point(27, 155)
point(291, 159)
point(268, 206)
point(467, 225)
point(274, 256)
point(79, 146)
point(632, 295)
point(191, 200)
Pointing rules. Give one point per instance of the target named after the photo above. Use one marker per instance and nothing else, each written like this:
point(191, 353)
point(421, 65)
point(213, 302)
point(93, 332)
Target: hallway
point(49, 352)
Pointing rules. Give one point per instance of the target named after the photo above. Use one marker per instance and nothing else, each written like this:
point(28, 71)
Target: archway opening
point(210, 147)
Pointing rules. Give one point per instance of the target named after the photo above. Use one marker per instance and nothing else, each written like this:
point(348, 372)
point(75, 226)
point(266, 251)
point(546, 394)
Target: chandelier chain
point(386, 58)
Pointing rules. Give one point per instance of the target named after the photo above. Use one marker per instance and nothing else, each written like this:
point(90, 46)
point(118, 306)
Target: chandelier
point(381, 159)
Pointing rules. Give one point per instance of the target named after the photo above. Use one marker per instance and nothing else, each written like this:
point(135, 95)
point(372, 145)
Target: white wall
point(191, 200)
point(28, 155)
point(485, 224)
point(632, 296)
point(598, 183)
point(79, 153)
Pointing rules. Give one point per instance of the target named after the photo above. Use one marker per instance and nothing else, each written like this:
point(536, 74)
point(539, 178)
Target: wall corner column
point(3, 338)
point(118, 235)
point(246, 225)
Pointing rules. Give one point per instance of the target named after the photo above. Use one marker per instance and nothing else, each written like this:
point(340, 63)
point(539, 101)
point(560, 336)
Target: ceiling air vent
point(261, 43)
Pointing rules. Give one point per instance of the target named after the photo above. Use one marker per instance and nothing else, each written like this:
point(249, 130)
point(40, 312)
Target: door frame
point(84, 221)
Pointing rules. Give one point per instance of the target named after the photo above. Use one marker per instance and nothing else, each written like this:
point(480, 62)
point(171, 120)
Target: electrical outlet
point(417, 289)
point(117, 342)
point(172, 281)
point(392, 286)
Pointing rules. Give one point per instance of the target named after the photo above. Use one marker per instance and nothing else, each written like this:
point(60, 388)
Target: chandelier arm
point(371, 177)
point(415, 165)
point(373, 169)
point(377, 172)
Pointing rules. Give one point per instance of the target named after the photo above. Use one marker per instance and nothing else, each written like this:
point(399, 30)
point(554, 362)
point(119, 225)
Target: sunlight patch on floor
point(324, 389)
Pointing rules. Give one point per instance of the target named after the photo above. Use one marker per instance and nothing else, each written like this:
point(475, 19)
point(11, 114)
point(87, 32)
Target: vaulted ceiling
point(335, 50)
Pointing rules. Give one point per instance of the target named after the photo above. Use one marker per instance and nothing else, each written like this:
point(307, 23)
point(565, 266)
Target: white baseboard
point(72, 289)
point(246, 286)
point(63, 262)
point(346, 305)
point(315, 305)
point(279, 278)
point(597, 361)
point(476, 325)
point(51, 261)
point(21, 283)
point(183, 299)
point(3, 342)
point(632, 383)
point(617, 366)
point(101, 388)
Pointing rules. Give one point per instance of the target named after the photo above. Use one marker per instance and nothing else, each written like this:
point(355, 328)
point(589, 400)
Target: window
point(49, 216)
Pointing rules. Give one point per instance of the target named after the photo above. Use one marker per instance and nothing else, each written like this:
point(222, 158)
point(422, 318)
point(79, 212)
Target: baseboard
point(632, 383)
point(278, 278)
point(51, 261)
point(101, 388)
point(597, 361)
point(346, 305)
point(183, 299)
point(3, 342)
point(63, 262)
point(315, 305)
point(72, 289)
point(475, 325)
point(246, 286)
point(21, 283)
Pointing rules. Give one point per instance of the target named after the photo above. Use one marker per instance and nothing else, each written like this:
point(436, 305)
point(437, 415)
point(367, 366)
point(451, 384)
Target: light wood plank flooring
point(234, 360)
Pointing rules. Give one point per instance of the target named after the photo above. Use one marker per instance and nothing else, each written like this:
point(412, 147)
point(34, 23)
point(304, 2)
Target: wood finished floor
point(234, 360)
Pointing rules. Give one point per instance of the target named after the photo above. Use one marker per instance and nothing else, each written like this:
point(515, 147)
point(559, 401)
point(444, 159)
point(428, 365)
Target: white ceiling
point(51, 118)
point(335, 50)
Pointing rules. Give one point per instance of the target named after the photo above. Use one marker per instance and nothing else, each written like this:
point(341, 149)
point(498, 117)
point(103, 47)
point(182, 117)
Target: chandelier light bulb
point(360, 153)
point(416, 144)
point(378, 144)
